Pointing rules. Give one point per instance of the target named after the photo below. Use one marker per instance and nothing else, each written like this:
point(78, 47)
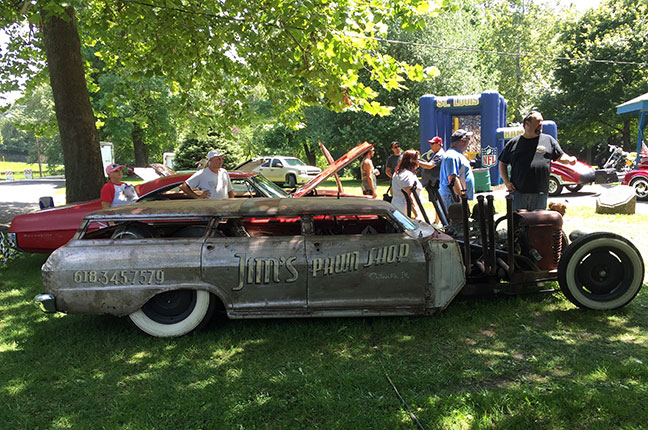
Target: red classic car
point(46, 230)
point(573, 177)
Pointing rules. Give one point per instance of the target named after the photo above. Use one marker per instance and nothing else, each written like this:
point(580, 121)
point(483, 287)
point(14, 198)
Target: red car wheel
point(640, 185)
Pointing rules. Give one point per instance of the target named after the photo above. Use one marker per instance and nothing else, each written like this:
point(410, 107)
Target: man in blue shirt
point(456, 175)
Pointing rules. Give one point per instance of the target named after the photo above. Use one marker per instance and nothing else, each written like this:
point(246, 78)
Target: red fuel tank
point(540, 237)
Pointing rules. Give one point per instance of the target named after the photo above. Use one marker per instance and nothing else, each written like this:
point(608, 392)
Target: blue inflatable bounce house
point(439, 116)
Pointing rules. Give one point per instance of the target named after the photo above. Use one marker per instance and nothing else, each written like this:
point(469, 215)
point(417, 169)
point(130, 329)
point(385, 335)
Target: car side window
point(145, 229)
point(272, 226)
point(277, 163)
point(328, 225)
point(243, 188)
point(266, 164)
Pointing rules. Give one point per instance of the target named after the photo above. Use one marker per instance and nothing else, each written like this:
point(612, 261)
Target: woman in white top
point(115, 192)
point(405, 179)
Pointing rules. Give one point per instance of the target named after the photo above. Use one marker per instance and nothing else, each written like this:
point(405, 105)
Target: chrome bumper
point(46, 303)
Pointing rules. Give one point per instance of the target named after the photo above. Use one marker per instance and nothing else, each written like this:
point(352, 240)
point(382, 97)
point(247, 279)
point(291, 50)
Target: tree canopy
point(306, 52)
point(608, 45)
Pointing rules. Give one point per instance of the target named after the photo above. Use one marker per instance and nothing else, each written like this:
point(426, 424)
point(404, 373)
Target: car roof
point(245, 207)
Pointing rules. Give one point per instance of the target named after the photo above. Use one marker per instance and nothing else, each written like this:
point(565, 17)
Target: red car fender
point(579, 173)
point(634, 174)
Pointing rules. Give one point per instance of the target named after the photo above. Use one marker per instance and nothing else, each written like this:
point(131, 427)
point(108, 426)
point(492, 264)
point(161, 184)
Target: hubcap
point(641, 188)
point(553, 185)
point(603, 274)
point(170, 307)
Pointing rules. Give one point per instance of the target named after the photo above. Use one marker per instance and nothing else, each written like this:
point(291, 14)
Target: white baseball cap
point(214, 153)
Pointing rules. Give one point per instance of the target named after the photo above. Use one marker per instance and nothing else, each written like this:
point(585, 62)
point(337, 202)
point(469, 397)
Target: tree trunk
point(310, 157)
point(141, 154)
point(79, 139)
point(626, 135)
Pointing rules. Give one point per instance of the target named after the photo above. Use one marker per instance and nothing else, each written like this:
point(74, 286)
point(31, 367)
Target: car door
point(272, 170)
point(265, 272)
point(370, 270)
point(265, 168)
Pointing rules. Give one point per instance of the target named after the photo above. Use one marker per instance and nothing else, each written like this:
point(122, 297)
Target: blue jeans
point(529, 201)
point(447, 200)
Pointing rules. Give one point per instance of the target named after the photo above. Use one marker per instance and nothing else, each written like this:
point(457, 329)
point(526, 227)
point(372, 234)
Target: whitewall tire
point(601, 271)
point(174, 313)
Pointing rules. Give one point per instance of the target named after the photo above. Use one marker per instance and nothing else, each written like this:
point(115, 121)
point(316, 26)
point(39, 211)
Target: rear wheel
point(291, 180)
point(640, 185)
point(601, 271)
point(575, 187)
point(555, 188)
point(174, 313)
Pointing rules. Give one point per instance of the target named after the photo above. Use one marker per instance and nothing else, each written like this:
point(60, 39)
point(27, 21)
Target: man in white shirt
point(213, 180)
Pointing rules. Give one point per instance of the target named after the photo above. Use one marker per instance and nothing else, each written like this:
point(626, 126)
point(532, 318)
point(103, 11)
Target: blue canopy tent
point(637, 105)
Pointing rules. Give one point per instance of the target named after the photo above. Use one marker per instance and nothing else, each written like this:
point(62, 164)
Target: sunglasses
point(396, 146)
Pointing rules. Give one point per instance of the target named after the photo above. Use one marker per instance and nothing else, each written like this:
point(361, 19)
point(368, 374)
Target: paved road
point(18, 197)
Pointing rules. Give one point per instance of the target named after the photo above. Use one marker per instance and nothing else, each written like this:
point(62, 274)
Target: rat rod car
point(169, 265)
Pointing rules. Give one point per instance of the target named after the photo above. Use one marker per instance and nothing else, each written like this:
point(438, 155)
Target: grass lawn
point(530, 362)
point(18, 169)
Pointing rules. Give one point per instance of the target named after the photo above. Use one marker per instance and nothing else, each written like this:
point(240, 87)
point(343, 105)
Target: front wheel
point(640, 184)
point(555, 188)
point(291, 180)
point(601, 271)
point(174, 313)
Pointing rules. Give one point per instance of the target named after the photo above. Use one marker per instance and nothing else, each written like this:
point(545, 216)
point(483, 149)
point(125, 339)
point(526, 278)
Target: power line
point(505, 53)
point(402, 42)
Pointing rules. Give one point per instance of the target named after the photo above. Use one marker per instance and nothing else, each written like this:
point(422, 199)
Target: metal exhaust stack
point(510, 239)
point(483, 232)
point(491, 235)
point(466, 233)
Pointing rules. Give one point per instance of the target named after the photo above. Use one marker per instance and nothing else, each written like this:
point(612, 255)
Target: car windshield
point(269, 187)
point(404, 220)
point(293, 162)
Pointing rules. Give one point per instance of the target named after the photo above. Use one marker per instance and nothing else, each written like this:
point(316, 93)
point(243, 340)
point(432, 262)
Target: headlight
point(303, 172)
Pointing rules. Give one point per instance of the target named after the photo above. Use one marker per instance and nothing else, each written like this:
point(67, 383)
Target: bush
point(192, 150)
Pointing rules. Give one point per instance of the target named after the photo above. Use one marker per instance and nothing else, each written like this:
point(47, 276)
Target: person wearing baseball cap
point(431, 166)
point(456, 178)
point(213, 180)
point(393, 159)
point(115, 192)
point(431, 163)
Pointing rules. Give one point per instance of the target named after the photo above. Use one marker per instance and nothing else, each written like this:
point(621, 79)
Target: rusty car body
point(168, 265)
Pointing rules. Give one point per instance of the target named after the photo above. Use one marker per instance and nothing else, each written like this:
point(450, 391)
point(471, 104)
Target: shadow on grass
point(530, 362)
